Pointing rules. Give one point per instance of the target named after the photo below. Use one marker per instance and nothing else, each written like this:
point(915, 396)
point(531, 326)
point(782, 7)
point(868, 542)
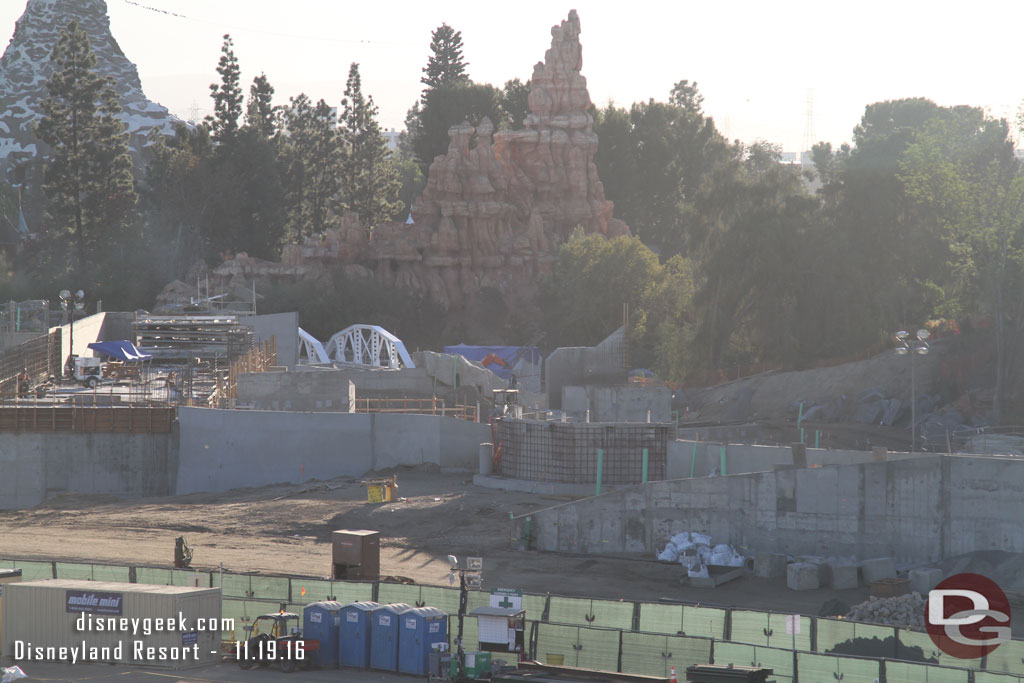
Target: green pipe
point(800, 416)
point(645, 465)
point(600, 469)
point(693, 462)
point(817, 437)
point(801, 435)
point(721, 454)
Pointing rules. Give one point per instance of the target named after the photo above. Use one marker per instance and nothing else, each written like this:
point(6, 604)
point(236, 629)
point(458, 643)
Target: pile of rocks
point(905, 610)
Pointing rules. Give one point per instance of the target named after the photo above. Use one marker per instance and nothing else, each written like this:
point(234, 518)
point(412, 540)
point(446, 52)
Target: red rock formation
point(496, 205)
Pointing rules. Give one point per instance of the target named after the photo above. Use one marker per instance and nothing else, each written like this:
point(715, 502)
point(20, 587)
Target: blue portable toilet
point(384, 636)
point(321, 621)
point(354, 634)
point(420, 628)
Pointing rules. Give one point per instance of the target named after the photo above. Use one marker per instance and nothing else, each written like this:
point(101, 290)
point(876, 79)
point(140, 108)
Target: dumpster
point(384, 636)
point(354, 634)
point(321, 621)
point(420, 629)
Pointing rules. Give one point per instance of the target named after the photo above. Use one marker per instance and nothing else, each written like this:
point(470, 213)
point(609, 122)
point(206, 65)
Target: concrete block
point(925, 579)
point(844, 577)
point(879, 568)
point(769, 565)
point(802, 576)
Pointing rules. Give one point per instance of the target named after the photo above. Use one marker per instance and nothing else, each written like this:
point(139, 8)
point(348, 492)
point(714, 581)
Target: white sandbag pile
point(695, 551)
point(904, 610)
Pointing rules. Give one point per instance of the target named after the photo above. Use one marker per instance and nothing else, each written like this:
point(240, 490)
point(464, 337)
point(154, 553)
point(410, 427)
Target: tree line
point(737, 258)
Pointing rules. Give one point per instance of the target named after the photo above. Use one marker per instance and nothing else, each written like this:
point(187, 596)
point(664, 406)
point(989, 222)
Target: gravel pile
point(905, 610)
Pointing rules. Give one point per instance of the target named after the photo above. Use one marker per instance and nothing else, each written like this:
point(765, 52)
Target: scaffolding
point(568, 452)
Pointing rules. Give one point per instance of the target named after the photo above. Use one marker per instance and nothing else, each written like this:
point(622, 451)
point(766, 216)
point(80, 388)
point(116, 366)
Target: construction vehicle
point(182, 553)
point(276, 638)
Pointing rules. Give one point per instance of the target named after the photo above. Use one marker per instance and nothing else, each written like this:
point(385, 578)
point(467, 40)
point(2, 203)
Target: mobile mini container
point(321, 621)
point(354, 634)
point(64, 620)
point(384, 636)
point(420, 628)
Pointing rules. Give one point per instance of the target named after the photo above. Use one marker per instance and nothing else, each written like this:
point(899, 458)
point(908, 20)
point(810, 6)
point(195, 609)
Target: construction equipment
point(87, 371)
point(182, 553)
point(276, 638)
point(380, 490)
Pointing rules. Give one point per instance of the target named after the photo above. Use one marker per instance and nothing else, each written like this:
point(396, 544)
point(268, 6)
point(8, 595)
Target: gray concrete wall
point(87, 330)
point(225, 449)
point(580, 365)
point(283, 327)
point(34, 467)
point(917, 510)
point(618, 403)
point(704, 458)
point(117, 325)
point(321, 391)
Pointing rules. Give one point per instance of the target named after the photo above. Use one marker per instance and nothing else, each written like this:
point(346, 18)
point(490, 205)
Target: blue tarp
point(524, 361)
point(120, 350)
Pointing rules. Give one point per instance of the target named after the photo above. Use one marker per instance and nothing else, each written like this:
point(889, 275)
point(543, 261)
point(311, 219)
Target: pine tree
point(445, 64)
point(227, 96)
point(260, 112)
point(370, 183)
point(313, 155)
point(88, 184)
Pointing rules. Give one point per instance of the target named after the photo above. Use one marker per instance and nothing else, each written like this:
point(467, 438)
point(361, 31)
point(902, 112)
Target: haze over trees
point(736, 259)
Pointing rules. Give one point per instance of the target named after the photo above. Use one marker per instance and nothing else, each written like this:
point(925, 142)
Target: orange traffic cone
point(672, 677)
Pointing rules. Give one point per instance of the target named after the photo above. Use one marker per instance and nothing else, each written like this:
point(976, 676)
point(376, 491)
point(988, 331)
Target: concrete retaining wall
point(34, 467)
point(917, 510)
point(618, 403)
point(226, 449)
point(704, 458)
point(317, 391)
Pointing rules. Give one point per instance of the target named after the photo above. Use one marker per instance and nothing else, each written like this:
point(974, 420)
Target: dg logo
point(967, 616)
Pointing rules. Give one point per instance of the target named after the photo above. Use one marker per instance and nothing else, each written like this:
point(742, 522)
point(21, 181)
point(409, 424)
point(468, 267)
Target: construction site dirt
point(287, 530)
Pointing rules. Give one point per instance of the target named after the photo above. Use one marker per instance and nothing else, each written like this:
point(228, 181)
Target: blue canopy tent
point(123, 350)
point(523, 361)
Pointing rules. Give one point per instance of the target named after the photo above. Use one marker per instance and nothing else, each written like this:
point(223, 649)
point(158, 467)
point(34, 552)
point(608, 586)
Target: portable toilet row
point(393, 637)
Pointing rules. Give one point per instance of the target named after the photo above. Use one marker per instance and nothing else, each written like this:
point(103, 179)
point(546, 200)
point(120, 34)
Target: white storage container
point(129, 623)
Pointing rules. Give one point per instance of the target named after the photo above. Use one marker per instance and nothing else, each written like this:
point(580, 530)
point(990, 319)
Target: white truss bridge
point(369, 346)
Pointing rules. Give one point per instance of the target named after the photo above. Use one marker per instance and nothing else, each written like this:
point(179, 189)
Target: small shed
point(500, 629)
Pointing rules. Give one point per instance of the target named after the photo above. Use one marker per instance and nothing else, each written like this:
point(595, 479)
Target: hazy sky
point(756, 62)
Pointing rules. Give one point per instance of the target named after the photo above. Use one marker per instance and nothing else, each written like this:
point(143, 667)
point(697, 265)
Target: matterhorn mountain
point(26, 66)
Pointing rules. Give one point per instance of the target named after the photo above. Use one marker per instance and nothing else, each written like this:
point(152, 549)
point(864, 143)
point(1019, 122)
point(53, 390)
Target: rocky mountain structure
point(495, 208)
point(25, 67)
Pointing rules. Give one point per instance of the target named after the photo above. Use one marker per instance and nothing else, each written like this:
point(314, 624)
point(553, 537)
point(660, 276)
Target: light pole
point(71, 304)
point(470, 576)
point(914, 346)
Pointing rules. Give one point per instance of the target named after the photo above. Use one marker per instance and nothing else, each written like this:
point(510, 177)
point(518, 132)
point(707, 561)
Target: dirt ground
point(287, 529)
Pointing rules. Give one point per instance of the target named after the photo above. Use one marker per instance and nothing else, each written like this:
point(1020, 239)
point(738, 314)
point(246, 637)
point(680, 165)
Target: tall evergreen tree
point(260, 112)
point(370, 183)
point(88, 184)
point(227, 96)
point(445, 64)
point(313, 154)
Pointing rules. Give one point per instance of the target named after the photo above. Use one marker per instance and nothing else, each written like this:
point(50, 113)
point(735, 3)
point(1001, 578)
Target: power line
point(221, 25)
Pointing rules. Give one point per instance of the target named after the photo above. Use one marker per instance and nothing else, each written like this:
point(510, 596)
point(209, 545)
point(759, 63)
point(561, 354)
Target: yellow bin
point(378, 493)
